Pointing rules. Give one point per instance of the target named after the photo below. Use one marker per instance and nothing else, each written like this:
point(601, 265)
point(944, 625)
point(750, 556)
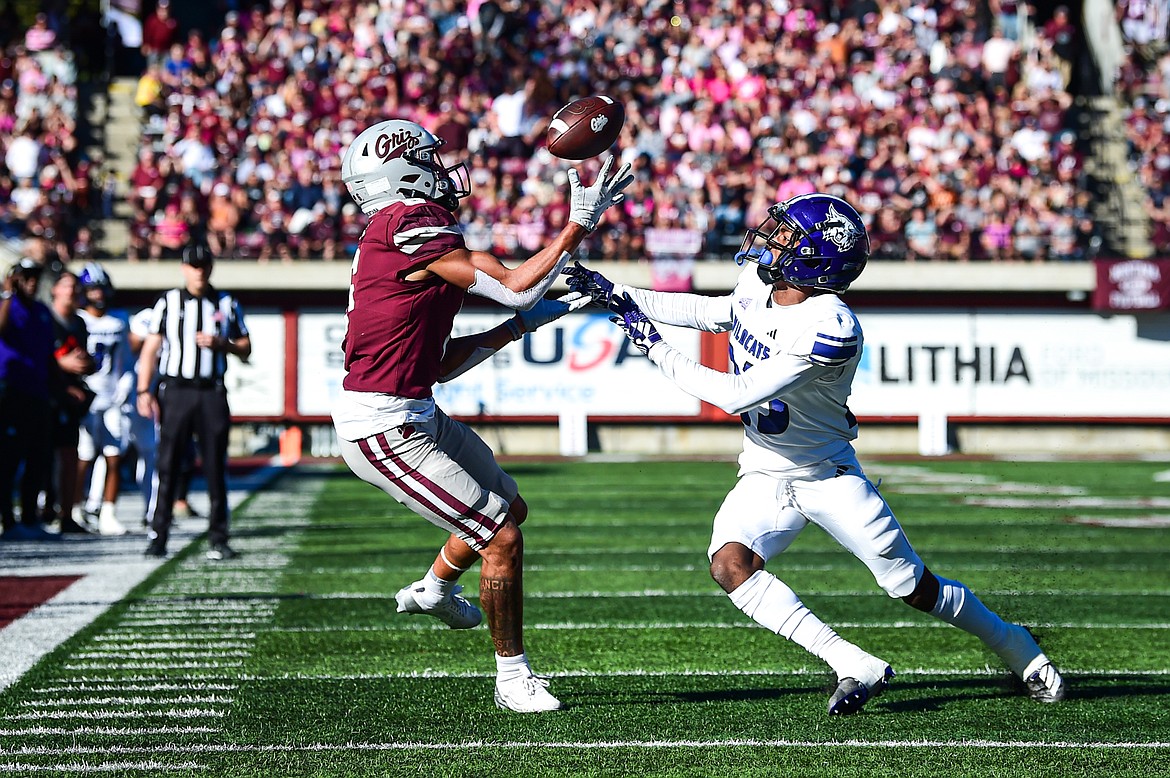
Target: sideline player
point(410, 276)
point(794, 350)
point(143, 430)
point(103, 430)
point(71, 397)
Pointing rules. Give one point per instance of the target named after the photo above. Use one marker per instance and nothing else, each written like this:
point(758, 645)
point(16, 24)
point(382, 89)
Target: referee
point(193, 330)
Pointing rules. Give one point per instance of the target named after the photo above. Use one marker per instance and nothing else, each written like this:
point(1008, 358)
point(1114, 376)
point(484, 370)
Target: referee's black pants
point(184, 411)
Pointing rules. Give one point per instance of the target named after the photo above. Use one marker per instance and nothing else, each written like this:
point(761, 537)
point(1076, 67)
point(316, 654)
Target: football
point(584, 128)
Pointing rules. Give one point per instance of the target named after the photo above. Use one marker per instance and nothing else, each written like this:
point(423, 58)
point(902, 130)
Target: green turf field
point(291, 661)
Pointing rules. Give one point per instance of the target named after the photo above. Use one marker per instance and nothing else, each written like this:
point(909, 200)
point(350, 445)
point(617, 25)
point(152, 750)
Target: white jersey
point(140, 322)
point(107, 344)
point(789, 375)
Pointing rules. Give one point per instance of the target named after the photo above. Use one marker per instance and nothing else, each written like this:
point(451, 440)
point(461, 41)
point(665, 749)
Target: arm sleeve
point(480, 354)
point(735, 394)
point(709, 314)
point(486, 286)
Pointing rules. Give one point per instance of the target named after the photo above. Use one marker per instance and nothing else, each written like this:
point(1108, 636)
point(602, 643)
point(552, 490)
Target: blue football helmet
point(94, 276)
point(814, 240)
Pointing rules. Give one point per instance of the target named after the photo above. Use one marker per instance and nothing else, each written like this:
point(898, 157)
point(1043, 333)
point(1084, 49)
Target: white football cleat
point(1045, 685)
point(453, 610)
point(1022, 654)
point(85, 518)
point(108, 523)
point(526, 694)
point(851, 694)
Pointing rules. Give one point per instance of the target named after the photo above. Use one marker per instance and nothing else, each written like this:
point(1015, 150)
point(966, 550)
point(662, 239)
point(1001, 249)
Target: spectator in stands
point(171, 235)
point(318, 240)
point(1028, 235)
point(39, 37)
point(159, 31)
point(1062, 33)
point(921, 237)
point(222, 220)
point(996, 236)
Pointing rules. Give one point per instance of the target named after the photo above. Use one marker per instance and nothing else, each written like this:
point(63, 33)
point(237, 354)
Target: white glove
point(586, 204)
point(547, 311)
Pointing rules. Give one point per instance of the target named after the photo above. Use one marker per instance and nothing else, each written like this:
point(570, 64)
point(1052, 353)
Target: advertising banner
point(983, 363)
point(581, 362)
point(256, 387)
point(1013, 364)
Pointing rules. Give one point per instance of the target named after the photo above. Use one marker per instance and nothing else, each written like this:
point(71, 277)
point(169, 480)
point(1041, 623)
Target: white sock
point(771, 603)
point(435, 589)
point(959, 607)
point(510, 667)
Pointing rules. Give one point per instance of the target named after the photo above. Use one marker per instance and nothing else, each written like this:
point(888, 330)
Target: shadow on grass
point(922, 696)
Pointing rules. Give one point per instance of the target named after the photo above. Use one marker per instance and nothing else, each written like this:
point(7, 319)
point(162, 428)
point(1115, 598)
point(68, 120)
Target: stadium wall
point(979, 359)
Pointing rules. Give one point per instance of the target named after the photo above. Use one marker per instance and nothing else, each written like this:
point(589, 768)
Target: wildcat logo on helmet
point(392, 146)
point(841, 231)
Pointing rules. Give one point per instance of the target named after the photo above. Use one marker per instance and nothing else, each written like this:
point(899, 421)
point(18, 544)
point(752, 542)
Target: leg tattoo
point(502, 601)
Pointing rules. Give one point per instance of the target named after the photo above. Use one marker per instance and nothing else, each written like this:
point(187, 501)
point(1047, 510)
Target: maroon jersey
point(397, 328)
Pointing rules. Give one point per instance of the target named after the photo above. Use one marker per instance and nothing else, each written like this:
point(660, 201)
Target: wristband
point(514, 328)
point(6, 295)
point(144, 391)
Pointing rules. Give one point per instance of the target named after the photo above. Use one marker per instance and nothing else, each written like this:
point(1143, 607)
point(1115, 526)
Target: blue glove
point(547, 311)
point(590, 282)
point(638, 328)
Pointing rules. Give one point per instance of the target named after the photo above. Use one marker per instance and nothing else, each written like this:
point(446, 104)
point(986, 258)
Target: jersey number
point(103, 355)
point(770, 422)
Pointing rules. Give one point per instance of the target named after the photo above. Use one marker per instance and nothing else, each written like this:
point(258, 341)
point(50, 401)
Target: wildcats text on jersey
point(755, 348)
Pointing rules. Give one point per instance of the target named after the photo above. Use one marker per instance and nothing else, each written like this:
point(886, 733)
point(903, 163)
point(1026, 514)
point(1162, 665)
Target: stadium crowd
point(949, 134)
point(1144, 84)
point(50, 189)
point(946, 121)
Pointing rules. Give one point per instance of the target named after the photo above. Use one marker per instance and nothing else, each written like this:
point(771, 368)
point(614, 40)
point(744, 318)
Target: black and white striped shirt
point(178, 316)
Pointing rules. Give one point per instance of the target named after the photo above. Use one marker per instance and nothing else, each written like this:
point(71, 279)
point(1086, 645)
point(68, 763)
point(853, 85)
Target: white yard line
point(150, 767)
point(429, 625)
point(986, 672)
point(213, 748)
point(100, 731)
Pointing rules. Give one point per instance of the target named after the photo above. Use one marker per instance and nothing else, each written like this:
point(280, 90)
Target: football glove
point(638, 328)
point(590, 282)
point(547, 311)
point(588, 203)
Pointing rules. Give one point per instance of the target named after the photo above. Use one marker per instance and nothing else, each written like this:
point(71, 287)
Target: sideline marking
point(20, 594)
point(109, 567)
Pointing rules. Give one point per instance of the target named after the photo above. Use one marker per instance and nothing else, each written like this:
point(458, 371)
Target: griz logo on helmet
point(839, 230)
point(395, 145)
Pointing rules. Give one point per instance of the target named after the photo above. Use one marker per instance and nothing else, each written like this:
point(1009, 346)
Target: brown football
point(584, 128)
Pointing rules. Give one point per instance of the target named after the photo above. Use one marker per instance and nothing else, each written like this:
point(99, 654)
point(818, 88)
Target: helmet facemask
point(814, 241)
point(451, 184)
point(771, 244)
